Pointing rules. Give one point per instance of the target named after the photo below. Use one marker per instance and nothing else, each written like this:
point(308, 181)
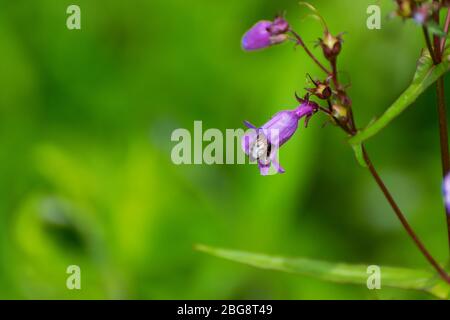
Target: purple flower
point(420, 18)
point(421, 15)
point(446, 191)
point(265, 34)
point(262, 144)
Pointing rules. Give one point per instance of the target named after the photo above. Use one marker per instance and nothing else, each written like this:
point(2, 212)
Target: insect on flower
point(262, 144)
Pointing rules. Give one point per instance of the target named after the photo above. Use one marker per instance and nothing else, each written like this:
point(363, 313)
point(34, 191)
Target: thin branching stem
point(308, 52)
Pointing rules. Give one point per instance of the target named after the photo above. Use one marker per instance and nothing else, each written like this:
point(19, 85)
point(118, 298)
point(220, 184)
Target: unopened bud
point(265, 34)
point(331, 45)
point(279, 26)
point(322, 90)
point(339, 112)
point(405, 8)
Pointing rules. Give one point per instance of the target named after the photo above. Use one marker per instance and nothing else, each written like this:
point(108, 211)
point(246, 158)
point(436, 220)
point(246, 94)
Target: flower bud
point(279, 26)
point(331, 45)
point(405, 8)
point(322, 90)
point(339, 112)
point(265, 34)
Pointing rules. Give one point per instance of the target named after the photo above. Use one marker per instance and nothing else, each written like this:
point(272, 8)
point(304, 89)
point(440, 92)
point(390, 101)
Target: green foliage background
point(85, 169)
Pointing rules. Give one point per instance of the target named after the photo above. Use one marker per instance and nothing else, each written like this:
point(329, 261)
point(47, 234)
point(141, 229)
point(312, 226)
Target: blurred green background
point(87, 179)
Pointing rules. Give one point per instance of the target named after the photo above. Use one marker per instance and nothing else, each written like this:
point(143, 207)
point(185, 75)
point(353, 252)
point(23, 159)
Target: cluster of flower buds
point(421, 11)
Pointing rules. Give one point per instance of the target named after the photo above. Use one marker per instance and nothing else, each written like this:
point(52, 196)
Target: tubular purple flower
point(262, 144)
point(446, 191)
point(265, 34)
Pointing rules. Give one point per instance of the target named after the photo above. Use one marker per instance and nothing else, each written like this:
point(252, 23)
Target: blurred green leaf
point(426, 75)
point(402, 278)
point(436, 29)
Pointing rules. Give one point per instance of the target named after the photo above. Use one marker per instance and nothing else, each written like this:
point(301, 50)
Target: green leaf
point(425, 76)
point(409, 279)
point(359, 154)
point(436, 29)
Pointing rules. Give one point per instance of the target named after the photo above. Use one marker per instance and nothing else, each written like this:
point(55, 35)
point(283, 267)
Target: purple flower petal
point(265, 34)
point(258, 37)
point(446, 191)
point(249, 125)
point(264, 169)
point(278, 167)
point(248, 140)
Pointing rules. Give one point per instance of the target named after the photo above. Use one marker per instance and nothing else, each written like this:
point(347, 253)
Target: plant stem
point(301, 43)
point(403, 219)
point(335, 73)
point(443, 133)
point(436, 38)
point(443, 130)
point(429, 45)
point(352, 131)
point(442, 113)
point(446, 28)
point(441, 90)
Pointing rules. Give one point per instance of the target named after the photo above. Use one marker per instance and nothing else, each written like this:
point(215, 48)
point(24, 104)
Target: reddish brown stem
point(436, 38)
point(308, 52)
point(403, 220)
point(446, 28)
point(335, 73)
point(436, 53)
point(443, 125)
point(352, 130)
point(443, 133)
